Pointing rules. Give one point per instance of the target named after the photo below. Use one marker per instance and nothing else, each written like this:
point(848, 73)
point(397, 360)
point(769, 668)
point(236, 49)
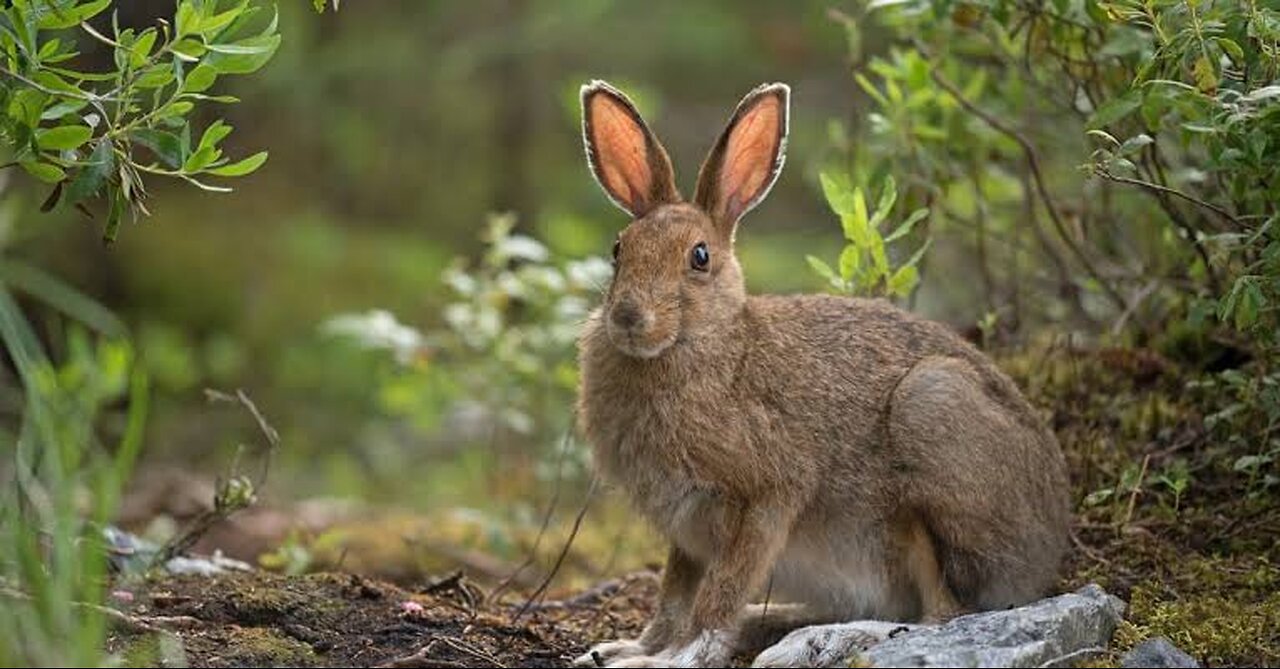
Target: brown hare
point(842, 454)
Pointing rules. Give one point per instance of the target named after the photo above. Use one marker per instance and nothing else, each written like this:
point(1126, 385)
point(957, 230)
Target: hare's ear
point(746, 160)
point(626, 159)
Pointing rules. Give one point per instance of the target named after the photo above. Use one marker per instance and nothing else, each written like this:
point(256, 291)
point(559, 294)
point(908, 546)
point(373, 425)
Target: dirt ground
point(261, 619)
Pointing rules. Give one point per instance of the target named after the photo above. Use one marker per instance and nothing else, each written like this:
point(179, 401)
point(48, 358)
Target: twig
point(542, 530)
point(419, 659)
point(564, 551)
point(120, 619)
point(1133, 495)
point(1084, 548)
point(1062, 660)
point(464, 647)
point(1174, 192)
point(1138, 299)
point(1033, 162)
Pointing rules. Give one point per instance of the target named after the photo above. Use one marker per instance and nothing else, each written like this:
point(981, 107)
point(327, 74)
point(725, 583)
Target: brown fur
point(865, 462)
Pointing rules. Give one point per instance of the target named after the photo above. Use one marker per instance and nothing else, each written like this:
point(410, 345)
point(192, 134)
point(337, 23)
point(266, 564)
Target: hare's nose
point(626, 315)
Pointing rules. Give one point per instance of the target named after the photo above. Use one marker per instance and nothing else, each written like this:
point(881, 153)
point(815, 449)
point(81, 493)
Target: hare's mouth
point(637, 347)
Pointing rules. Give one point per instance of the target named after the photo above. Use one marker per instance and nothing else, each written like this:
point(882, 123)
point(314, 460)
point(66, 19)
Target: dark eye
point(617, 245)
point(700, 257)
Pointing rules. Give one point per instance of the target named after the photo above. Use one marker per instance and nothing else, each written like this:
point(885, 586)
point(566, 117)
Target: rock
point(828, 645)
point(1157, 652)
point(206, 566)
point(1052, 632)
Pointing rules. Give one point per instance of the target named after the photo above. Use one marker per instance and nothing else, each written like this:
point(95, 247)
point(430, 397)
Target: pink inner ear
point(750, 155)
point(621, 155)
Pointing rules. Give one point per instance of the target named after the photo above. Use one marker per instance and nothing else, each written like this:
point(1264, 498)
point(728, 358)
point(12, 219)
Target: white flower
point(520, 247)
point(378, 329)
point(592, 272)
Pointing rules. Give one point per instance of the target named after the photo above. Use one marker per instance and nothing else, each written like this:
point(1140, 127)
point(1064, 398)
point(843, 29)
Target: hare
point(841, 454)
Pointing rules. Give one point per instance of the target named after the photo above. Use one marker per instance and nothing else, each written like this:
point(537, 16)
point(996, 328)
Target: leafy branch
point(94, 135)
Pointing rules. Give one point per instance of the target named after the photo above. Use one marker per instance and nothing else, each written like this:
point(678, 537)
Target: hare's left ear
point(746, 160)
point(623, 154)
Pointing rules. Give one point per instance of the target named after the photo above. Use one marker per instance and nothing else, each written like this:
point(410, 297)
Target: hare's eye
point(617, 245)
point(700, 257)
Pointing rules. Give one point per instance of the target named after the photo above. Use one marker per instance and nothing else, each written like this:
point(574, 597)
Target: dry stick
point(120, 619)
point(420, 659)
point(1033, 162)
point(1133, 495)
point(1174, 192)
point(546, 582)
point(546, 521)
point(1083, 652)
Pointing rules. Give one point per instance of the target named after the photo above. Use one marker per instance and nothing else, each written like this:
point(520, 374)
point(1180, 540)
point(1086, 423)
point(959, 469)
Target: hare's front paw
point(708, 649)
point(602, 654)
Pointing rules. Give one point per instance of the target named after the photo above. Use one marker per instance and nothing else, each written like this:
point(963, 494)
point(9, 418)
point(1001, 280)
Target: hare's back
point(846, 334)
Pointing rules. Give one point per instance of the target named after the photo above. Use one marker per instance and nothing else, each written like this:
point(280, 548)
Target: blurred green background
point(396, 129)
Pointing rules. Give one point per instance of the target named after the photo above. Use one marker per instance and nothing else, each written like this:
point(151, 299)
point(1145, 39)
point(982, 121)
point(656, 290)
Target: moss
point(262, 647)
point(1218, 610)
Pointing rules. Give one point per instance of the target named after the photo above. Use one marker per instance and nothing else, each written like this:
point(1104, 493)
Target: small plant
point(1176, 478)
point(506, 356)
point(864, 267)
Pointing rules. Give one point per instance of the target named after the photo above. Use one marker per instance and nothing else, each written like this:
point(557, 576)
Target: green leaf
point(1135, 144)
point(905, 227)
point(904, 280)
point(179, 108)
point(1251, 302)
point(72, 15)
point(1232, 49)
point(1205, 75)
point(823, 269)
point(26, 105)
point(855, 224)
point(200, 159)
point(50, 174)
point(850, 262)
point(155, 77)
point(141, 49)
point(63, 137)
point(838, 191)
point(216, 132)
point(186, 17)
point(1115, 109)
point(115, 211)
point(888, 197)
point(92, 175)
point(188, 49)
point(165, 145)
point(241, 168)
point(199, 79)
point(259, 50)
point(55, 112)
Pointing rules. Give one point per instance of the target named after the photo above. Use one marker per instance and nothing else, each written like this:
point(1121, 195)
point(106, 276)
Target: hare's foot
point(603, 654)
point(712, 648)
point(827, 645)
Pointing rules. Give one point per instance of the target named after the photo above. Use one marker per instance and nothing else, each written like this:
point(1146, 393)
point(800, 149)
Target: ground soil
point(261, 619)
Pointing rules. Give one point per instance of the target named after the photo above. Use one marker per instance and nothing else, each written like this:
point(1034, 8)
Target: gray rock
point(828, 645)
point(1052, 632)
point(1157, 652)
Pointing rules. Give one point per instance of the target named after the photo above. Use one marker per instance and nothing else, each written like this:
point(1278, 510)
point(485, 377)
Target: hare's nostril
point(625, 315)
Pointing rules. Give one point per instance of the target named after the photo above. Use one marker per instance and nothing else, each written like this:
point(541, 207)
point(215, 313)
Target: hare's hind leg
point(987, 486)
point(920, 570)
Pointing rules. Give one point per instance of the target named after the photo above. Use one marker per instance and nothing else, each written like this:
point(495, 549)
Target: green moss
point(1222, 611)
point(262, 647)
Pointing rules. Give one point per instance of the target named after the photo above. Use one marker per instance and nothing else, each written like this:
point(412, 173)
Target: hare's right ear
point(624, 156)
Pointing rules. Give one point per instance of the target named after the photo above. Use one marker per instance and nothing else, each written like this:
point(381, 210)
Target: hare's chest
point(688, 513)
